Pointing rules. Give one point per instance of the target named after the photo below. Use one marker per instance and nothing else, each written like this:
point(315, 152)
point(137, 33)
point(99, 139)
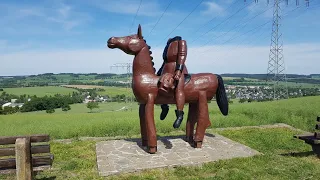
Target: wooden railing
point(312, 139)
point(24, 155)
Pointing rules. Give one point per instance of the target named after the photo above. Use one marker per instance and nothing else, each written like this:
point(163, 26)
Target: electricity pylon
point(128, 67)
point(276, 66)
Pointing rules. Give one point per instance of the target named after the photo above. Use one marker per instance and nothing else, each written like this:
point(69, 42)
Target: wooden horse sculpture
point(198, 90)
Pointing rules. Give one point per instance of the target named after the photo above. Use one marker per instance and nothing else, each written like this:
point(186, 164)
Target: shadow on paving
point(165, 140)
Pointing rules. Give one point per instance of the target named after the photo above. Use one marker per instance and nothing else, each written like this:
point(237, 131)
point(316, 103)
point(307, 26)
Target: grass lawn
point(113, 91)
point(103, 107)
point(299, 112)
point(40, 91)
point(109, 90)
point(77, 160)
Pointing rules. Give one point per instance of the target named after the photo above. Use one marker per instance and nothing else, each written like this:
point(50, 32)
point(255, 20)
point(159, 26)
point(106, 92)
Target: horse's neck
point(142, 63)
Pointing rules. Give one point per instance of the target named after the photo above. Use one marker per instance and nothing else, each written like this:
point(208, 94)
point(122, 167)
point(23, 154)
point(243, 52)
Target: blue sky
point(70, 35)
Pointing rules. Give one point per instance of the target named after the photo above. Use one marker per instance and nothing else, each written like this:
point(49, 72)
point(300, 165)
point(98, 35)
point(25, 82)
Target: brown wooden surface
point(35, 169)
point(308, 138)
point(304, 136)
point(10, 163)
point(42, 160)
point(4, 140)
point(35, 149)
point(7, 163)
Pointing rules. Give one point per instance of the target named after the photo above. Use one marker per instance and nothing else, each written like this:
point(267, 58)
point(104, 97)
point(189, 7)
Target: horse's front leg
point(192, 118)
point(203, 121)
point(150, 124)
point(143, 128)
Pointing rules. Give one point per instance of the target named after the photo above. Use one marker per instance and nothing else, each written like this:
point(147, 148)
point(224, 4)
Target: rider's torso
point(170, 58)
point(172, 52)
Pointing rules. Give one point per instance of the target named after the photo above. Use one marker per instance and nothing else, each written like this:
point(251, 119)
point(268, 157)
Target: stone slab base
point(123, 156)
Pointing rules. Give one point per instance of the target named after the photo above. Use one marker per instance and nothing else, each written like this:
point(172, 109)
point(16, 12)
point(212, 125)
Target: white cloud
point(213, 8)
point(147, 8)
point(299, 58)
point(6, 46)
point(41, 15)
point(260, 7)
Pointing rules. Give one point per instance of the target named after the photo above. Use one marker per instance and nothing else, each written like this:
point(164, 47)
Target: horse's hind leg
point(143, 128)
point(151, 128)
point(203, 119)
point(192, 118)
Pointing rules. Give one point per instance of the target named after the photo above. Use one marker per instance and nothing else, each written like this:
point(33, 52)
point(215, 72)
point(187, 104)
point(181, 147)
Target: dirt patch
point(82, 86)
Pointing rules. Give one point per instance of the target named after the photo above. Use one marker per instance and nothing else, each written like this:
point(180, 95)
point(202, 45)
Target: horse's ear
point(139, 32)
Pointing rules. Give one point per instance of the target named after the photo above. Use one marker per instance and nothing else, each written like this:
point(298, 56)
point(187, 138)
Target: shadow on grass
point(299, 154)
point(165, 140)
point(47, 178)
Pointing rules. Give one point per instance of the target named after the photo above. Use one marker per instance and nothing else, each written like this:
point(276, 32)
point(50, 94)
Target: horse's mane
point(150, 52)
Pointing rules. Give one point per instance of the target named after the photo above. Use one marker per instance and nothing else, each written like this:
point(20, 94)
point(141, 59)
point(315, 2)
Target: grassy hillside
point(108, 90)
point(108, 79)
point(39, 91)
point(77, 160)
point(300, 113)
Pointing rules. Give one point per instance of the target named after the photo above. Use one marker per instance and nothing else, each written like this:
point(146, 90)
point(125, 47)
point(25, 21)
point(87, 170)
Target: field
point(109, 90)
point(82, 86)
point(283, 156)
point(299, 112)
point(67, 89)
point(103, 107)
point(39, 91)
point(113, 91)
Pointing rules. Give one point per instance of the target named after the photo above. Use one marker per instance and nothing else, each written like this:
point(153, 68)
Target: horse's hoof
point(152, 150)
point(198, 144)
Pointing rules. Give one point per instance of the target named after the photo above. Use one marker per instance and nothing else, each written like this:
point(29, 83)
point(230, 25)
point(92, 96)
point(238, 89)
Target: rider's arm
point(182, 55)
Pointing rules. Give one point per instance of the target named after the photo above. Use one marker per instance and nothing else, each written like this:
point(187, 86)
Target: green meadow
point(113, 91)
point(106, 121)
point(39, 91)
point(52, 90)
point(283, 157)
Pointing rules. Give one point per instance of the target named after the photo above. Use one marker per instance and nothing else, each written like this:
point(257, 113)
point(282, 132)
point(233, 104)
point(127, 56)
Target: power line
point(260, 35)
point(226, 19)
point(135, 16)
point(258, 27)
point(212, 20)
point(181, 21)
point(236, 26)
point(161, 17)
point(128, 67)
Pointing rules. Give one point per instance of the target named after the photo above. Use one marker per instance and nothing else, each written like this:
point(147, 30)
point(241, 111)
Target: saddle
point(167, 84)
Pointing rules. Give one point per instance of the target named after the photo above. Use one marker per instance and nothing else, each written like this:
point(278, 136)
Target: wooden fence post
point(23, 159)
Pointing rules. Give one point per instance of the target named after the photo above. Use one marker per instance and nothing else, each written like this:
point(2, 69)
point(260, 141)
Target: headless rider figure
point(174, 56)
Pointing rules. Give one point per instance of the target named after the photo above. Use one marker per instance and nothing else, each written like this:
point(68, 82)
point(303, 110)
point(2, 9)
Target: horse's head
point(129, 44)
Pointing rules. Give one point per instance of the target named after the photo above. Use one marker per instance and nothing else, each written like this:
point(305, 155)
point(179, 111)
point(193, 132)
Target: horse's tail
point(221, 97)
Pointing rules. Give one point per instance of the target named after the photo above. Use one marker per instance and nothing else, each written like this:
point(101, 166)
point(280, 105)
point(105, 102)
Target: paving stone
point(123, 156)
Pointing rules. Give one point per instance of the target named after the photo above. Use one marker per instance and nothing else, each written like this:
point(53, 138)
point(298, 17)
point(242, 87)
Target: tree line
point(34, 103)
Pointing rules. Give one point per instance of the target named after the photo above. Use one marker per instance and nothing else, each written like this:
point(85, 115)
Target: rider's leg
point(165, 109)
point(180, 101)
